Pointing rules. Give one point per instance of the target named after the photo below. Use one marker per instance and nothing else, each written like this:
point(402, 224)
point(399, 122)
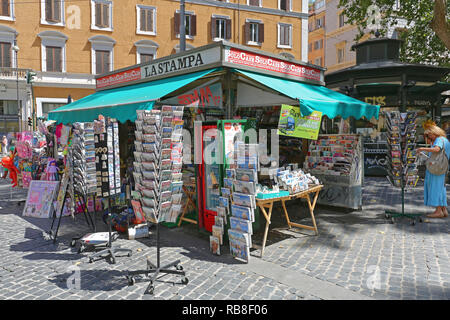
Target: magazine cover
point(175, 211)
point(166, 196)
point(217, 232)
point(167, 132)
point(245, 200)
point(240, 236)
point(226, 192)
point(222, 212)
point(166, 154)
point(165, 185)
point(241, 225)
point(177, 187)
point(245, 213)
point(166, 164)
point(176, 198)
point(228, 183)
point(218, 221)
point(223, 202)
point(230, 174)
point(247, 163)
point(239, 250)
point(244, 187)
point(166, 174)
point(248, 175)
point(166, 142)
point(214, 245)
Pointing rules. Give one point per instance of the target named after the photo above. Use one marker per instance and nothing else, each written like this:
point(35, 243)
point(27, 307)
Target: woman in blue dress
point(435, 193)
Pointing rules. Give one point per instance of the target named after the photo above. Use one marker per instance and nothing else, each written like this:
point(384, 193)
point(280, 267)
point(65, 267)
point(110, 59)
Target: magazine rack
point(401, 129)
point(157, 174)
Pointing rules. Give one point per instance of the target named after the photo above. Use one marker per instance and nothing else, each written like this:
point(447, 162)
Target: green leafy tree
point(427, 32)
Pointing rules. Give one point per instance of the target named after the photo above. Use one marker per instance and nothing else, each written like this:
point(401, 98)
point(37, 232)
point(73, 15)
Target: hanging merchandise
point(89, 152)
point(402, 160)
point(158, 162)
point(79, 159)
point(101, 158)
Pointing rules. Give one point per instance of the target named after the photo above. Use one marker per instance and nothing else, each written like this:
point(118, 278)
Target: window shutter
point(5, 8)
point(193, 29)
point(176, 20)
point(5, 55)
point(228, 26)
point(58, 65)
point(143, 21)
point(213, 27)
point(98, 62)
point(261, 32)
point(149, 20)
point(106, 15)
point(98, 12)
point(247, 32)
point(49, 58)
point(48, 10)
point(57, 10)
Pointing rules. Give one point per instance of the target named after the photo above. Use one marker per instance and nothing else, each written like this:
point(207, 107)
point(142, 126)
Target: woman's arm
point(434, 149)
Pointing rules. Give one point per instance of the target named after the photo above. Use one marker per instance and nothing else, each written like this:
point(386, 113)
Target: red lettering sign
point(121, 77)
point(271, 64)
point(203, 95)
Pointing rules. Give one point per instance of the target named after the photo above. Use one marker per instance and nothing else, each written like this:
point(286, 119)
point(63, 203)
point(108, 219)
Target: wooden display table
point(189, 191)
point(264, 204)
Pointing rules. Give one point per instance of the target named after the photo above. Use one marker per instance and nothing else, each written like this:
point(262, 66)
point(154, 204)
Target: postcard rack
point(158, 179)
point(402, 159)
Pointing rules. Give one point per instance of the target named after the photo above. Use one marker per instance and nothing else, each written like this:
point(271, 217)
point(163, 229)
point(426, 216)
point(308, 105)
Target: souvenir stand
point(402, 159)
point(225, 80)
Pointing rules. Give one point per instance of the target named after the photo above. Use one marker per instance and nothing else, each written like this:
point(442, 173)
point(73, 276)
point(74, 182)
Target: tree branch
point(439, 24)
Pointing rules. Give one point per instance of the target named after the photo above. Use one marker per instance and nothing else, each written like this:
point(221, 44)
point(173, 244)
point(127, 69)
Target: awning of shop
point(122, 103)
point(317, 98)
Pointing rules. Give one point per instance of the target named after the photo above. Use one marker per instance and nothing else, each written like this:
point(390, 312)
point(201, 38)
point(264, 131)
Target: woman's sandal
point(436, 215)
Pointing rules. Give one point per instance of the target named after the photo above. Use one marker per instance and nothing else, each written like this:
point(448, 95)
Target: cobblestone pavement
point(358, 252)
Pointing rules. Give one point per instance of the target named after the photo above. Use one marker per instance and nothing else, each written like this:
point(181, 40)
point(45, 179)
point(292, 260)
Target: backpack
point(437, 164)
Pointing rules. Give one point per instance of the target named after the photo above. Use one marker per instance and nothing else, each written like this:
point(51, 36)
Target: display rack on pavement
point(401, 158)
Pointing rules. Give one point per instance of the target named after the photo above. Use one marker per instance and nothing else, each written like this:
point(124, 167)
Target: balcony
point(12, 73)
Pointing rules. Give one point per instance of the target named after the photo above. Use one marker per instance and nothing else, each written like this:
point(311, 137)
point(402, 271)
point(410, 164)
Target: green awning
point(317, 98)
point(122, 103)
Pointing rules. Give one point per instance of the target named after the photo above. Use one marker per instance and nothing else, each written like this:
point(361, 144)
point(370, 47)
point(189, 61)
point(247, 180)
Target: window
point(53, 51)
point(254, 32)
point(220, 28)
point(318, 44)
point(285, 5)
point(319, 61)
point(102, 61)
point(102, 54)
point(254, 3)
point(340, 55)
point(319, 22)
point(146, 17)
point(49, 106)
point(146, 57)
point(319, 4)
point(101, 15)
point(310, 47)
point(5, 55)
point(53, 10)
point(284, 35)
point(8, 107)
point(145, 50)
point(341, 20)
point(45, 105)
point(6, 10)
point(53, 59)
point(190, 24)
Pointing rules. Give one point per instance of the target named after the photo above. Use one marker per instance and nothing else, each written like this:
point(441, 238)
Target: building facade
point(67, 43)
point(316, 38)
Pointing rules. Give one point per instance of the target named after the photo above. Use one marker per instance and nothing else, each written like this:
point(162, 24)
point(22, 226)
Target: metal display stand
point(157, 269)
point(388, 214)
point(400, 139)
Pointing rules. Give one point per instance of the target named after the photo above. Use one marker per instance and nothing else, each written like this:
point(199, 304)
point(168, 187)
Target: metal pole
point(182, 27)
point(19, 111)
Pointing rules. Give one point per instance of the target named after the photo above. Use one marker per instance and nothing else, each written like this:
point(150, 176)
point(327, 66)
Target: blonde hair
point(431, 128)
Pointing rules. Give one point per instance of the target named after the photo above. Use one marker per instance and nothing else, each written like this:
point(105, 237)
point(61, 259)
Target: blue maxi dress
point(435, 193)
